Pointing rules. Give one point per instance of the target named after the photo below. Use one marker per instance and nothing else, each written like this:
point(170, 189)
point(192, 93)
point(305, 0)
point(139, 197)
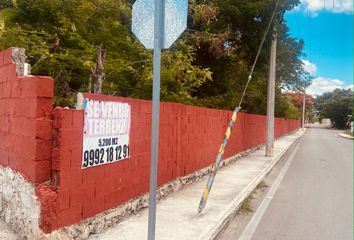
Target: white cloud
point(309, 67)
point(336, 6)
point(351, 86)
point(321, 85)
point(297, 8)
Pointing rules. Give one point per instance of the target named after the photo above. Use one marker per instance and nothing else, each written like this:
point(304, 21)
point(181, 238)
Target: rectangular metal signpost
point(157, 24)
point(158, 41)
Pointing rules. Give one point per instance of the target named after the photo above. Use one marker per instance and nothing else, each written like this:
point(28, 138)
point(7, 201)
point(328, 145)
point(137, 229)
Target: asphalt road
point(314, 199)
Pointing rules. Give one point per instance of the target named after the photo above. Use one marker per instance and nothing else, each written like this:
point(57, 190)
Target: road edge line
point(252, 225)
point(232, 209)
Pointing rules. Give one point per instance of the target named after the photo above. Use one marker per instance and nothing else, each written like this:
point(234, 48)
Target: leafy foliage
point(208, 65)
point(336, 105)
point(291, 104)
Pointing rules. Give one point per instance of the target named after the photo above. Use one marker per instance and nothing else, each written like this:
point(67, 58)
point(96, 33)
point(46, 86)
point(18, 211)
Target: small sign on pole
point(157, 24)
point(174, 16)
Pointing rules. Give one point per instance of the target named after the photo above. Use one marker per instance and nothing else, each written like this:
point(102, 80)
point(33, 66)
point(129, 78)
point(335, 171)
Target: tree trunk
point(98, 74)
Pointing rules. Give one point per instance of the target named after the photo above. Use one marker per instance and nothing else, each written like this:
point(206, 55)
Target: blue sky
point(326, 26)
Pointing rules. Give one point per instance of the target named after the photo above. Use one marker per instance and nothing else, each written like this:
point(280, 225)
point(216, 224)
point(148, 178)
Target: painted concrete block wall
point(45, 146)
point(25, 120)
point(189, 139)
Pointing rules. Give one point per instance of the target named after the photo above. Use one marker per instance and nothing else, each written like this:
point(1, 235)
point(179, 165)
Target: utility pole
point(271, 97)
point(303, 110)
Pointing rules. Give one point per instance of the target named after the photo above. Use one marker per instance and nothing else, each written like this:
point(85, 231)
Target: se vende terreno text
point(106, 118)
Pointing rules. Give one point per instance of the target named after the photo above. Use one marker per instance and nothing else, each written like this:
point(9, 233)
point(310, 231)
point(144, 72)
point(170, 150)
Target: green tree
point(336, 105)
point(208, 66)
point(61, 36)
point(227, 34)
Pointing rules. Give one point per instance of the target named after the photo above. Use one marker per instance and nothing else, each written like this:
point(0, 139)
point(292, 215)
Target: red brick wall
point(189, 139)
point(25, 121)
point(42, 144)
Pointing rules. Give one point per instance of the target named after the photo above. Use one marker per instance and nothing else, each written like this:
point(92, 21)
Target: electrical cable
point(258, 53)
point(214, 168)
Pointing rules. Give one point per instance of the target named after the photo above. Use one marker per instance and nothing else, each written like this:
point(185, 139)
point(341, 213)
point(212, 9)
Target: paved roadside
point(316, 194)
point(177, 216)
point(238, 225)
point(345, 135)
point(6, 233)
point(313, 200)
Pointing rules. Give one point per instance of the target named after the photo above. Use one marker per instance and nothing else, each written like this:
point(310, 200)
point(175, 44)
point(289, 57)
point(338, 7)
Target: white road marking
point(253, 223)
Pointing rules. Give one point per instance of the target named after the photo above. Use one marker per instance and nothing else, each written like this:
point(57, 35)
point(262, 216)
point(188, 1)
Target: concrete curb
point(102, 221)
point(343, 135)
point(177, 215)
point(231, 210)
point(6, 233)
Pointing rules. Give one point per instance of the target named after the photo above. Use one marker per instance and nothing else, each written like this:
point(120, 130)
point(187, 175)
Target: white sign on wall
point(106, 132)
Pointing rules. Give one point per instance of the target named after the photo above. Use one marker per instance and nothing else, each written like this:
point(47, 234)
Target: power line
point(216, 165)
point(258, 53)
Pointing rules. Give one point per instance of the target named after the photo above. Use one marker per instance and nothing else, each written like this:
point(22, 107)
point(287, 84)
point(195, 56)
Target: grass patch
point(262, 184)
point(246, 206)
point(348, 132)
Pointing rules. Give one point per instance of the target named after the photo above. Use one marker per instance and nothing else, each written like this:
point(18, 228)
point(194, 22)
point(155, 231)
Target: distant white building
point(326, 121)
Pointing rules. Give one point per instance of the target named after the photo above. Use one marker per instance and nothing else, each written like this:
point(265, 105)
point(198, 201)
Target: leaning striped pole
point(215, 166)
